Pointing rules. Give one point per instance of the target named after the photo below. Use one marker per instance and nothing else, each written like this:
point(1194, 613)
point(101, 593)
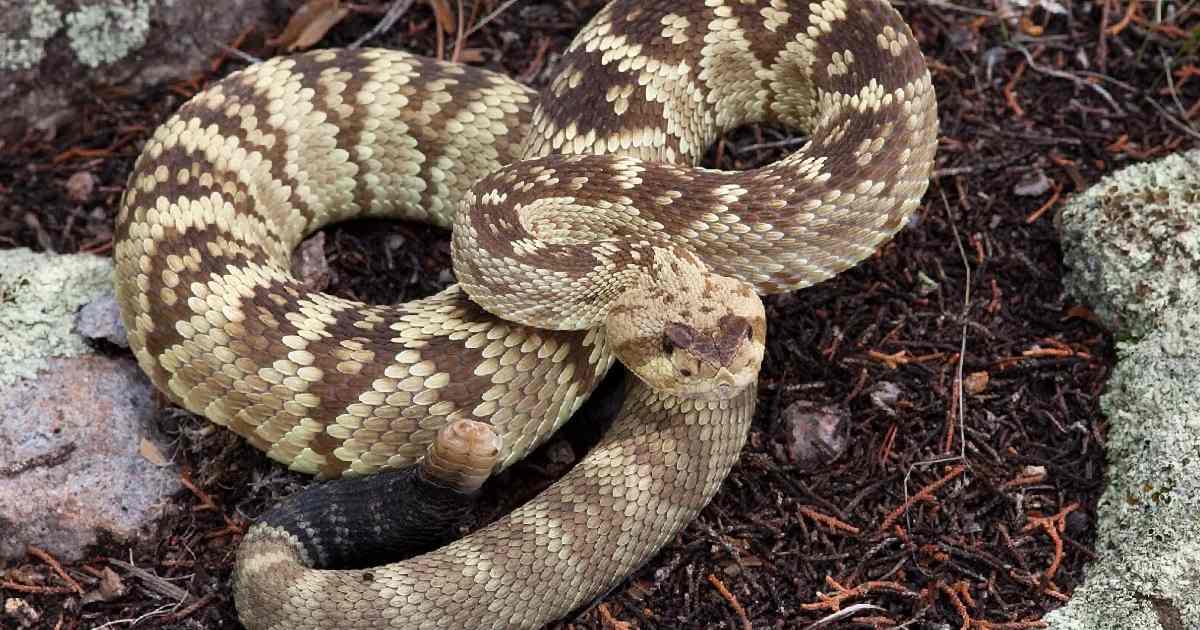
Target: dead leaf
point(310, 23)
point(19, 609)
point(1081, 312)
point(976, 382)
point(1029, 27)
point(111, 587)
point(151, 452)
point(445, 17)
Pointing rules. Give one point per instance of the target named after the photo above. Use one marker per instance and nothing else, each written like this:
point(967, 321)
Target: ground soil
point(956, 381)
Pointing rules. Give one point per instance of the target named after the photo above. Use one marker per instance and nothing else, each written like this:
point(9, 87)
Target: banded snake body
point(585, 232)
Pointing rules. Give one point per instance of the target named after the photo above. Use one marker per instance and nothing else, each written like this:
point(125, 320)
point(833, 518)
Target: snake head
point(690, 333)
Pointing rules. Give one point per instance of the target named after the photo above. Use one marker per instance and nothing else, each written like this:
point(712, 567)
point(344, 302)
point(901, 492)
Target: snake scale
point(583, 233)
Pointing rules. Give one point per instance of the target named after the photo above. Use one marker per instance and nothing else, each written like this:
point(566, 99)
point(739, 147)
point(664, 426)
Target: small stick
point(491, 16)
point(206, 501)
point(828, 521)
point(191, 608)
point(959, 606)
point(611, 621)
point(1116, 29)
point(1037, 214)
point(1052, 525)
point(398, 8)
point(834, 602)
point(733, 602)
point(925, 494)
point(30, 588)
point(1010, 95)
point(48, 559)
point(459, 37)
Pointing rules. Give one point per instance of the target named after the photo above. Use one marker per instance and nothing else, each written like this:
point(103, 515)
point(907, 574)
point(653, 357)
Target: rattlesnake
point(227, 187)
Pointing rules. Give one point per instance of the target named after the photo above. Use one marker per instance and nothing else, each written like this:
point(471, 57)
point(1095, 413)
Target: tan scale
point(652, 260)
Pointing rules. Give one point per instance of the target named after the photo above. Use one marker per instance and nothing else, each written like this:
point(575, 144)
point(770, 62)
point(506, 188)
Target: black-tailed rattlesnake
point(230, 184)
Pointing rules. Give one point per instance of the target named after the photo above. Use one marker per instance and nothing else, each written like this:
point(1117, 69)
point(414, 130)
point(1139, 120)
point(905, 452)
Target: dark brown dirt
point(946, 503)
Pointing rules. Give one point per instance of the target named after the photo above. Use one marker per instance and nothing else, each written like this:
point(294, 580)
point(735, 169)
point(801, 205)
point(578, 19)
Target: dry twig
point(50, 561)
point(925, 494)
point(733, 602)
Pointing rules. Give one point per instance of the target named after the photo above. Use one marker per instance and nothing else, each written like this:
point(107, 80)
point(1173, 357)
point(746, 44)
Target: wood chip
point(310, 23)
point(152, 453)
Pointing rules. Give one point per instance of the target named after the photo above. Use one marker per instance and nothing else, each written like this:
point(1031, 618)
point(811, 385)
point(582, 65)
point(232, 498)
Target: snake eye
point(685, 372)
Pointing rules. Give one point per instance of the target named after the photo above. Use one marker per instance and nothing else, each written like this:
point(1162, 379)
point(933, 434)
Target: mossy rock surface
point(50, 49)
point(39, 297)
point(1132, 243)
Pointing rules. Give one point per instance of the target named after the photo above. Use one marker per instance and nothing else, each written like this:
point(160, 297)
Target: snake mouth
point(725, 386)
point(720, 392)
point(726, 390)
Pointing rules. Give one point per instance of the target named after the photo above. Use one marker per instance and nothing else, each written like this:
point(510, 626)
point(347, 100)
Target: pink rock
point(70, 460)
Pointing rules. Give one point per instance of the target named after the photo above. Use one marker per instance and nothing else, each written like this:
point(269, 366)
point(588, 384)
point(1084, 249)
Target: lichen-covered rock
point(100, 34)
point(73, 425)
point(1132, 243)
point(1149, 530)
point(39, 297)
point(49, 48)
point(22, 46)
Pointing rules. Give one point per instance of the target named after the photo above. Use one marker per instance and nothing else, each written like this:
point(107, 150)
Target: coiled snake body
point(585, 231)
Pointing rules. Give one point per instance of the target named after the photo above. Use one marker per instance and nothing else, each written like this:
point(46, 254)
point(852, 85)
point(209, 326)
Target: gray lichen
point(1132, 243)
point(22, 42)
point(98, 33)
point(104, 33)
point(1149, 534)
point(39, 295)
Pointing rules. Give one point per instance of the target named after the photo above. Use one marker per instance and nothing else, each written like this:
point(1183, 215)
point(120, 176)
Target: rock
point(55, 52)
point(1149, 516)
point(72, 424)
point(309, 264)
point(81, 186)
point(813, 434)
point(39, 296)
point(1033, 184)
point(101, 319)
point(21, 612)
point(884, 395)
point(1144, 281)
point(69, 457)
point(1132, 243)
